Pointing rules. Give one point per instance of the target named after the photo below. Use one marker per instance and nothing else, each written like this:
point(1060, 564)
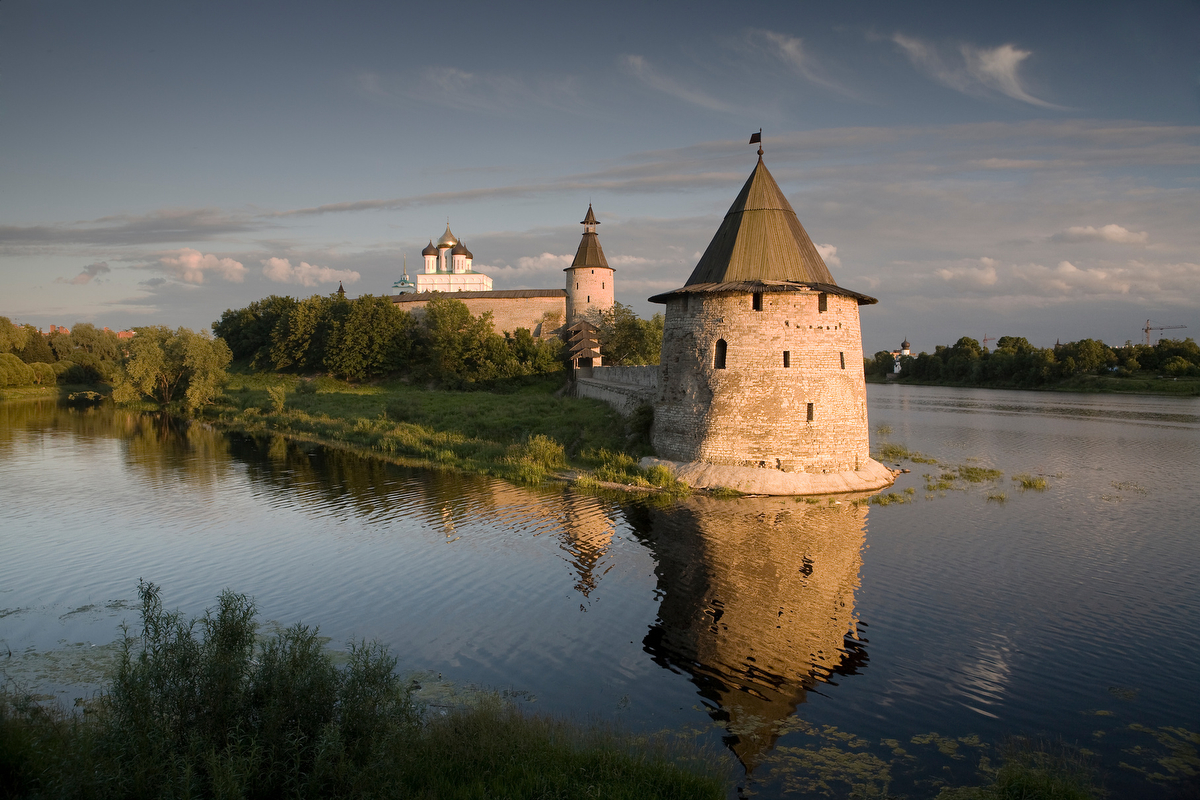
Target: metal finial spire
point(757, 137)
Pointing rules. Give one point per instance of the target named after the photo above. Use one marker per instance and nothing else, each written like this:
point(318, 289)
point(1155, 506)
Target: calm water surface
point(895, 644)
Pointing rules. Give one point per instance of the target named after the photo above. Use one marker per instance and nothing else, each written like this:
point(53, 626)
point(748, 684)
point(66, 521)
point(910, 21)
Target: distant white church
point(447, 269)
point(898, 354)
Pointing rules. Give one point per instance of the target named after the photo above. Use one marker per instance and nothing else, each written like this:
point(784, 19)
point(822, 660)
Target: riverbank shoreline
point(527, 432)
point(1083, 384)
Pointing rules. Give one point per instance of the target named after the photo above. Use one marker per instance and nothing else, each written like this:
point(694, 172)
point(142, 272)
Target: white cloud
point(190, 266)
point(973, 70)
point(791, 51)
point(967, 278)
point(1068, 280)
point(544, 262)
point(281, 270)
point(638, 67)
point(89, 272)
point(1108, 233)
point(829, 253)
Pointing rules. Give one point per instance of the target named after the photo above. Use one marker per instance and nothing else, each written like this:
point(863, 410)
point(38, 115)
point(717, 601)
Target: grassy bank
point(205, 708)
point(63, 392)
point(520, 431)
point(1083, 384)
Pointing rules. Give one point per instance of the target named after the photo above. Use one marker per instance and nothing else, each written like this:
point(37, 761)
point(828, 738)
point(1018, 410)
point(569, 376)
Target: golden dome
point(447, 239)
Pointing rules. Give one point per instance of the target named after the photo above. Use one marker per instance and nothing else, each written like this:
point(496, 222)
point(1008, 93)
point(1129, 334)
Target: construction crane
point(987, 339)
point(1148, 328)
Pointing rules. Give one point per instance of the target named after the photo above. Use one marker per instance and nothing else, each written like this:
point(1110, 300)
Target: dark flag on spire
point(756, 137)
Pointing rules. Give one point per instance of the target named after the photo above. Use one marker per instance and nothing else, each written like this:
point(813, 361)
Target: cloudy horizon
point(1007, 170)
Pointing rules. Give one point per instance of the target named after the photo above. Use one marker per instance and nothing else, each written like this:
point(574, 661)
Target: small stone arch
point(719, 354)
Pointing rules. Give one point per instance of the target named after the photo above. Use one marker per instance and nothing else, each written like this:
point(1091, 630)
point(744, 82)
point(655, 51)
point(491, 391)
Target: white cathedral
point(447, 269)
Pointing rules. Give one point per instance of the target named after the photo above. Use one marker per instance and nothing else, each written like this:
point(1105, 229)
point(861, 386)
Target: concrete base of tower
point(754, 480)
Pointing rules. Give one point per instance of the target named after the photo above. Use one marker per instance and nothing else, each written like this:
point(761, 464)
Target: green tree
point(165, 365)
point(14, 372)
point(882, 364)
point(1018, 345)
point(1088, 355)
point(36, 347)
point(301, 338)
point(458, 347)
point(925, 367)
point(248, 330)
point(1178, 366)
point(99, 343)
point(625, 338)
point(43, 373)
point(535, 356)
point(12, 337)
point(374, 339)
point(61, 345)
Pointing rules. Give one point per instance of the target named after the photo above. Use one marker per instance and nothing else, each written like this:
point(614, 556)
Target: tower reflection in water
point(757, 604)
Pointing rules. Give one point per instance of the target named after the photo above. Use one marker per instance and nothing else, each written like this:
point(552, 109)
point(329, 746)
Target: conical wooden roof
point(761, 239)
point(589, 254)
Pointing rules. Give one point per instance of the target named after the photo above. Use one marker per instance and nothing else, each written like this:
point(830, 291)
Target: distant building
point(447, 269)
point(544, 312)
point(898, 354)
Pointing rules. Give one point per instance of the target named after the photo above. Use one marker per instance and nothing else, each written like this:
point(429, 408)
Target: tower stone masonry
point(762, 368)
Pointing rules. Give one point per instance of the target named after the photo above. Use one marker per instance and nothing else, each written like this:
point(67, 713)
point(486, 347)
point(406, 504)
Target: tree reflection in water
point(757, 604)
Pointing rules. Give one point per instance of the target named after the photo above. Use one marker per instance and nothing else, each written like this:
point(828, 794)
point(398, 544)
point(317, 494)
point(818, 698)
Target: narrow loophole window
point(810, 412)
point(787, 358)
point(589, 298)
point(842, 356)
point(719, 356)
point(822, 302)
point(757, 301)
point(602, 284)
point(685, 303)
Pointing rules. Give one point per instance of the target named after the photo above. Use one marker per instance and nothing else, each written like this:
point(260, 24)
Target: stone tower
point(589, 278)
point(762, 367)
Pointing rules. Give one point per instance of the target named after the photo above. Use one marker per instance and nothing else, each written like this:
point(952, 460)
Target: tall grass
point(508, 433)
point(1035, 482)
point(199, 708)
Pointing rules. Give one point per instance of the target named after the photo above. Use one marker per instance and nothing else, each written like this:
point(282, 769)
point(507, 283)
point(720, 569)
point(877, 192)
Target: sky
point(983, 169)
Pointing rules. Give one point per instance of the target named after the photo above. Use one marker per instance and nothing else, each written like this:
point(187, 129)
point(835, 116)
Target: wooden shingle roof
point(761, 239)
point(749, 287)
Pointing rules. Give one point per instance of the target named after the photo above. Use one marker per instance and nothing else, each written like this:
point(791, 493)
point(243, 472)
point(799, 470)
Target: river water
point(827, 647)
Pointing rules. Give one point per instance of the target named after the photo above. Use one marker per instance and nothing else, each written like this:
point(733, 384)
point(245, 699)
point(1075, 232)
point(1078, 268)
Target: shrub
point(278, 395)
point(197, 709)
point(43, 373)
point(14, 371)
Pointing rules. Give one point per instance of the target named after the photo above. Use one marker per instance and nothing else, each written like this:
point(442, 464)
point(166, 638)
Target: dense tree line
point(178, 367)
point(85, 355)
point(369, 337)
point(1016, 362)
